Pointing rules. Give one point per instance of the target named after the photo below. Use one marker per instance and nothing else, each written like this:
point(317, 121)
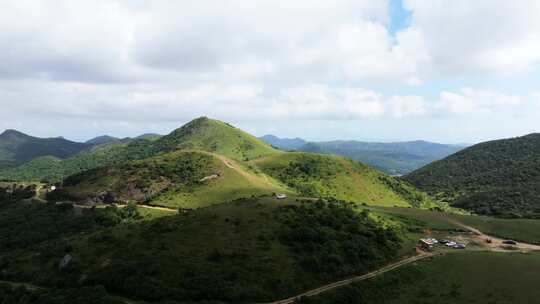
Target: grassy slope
point(500, 177)
point(173, 180)
point(475, 277)
point(218, 137)
point(331, 176)
point(238, 252)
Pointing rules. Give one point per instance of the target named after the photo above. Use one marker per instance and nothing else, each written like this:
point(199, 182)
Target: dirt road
point(366, 276)
point(496, 243)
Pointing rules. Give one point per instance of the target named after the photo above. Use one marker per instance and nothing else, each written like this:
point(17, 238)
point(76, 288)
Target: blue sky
point(446, 71)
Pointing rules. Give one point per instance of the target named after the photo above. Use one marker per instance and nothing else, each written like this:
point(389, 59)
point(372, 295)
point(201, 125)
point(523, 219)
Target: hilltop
point(17, 147)
point(215, 136)
point(500, 177)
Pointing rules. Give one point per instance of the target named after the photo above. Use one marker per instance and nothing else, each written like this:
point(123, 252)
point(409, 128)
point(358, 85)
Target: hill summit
point(215, 136)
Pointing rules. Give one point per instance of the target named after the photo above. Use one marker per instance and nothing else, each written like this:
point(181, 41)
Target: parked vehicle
point(459, 246)
point(509, 242)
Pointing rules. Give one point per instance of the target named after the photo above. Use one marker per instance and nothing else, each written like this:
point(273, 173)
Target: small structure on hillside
point(281, 196)
point(427, 244)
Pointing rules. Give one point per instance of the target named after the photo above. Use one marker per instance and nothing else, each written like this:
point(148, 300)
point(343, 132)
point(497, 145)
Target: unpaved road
point(366, 276)
point(496, 243)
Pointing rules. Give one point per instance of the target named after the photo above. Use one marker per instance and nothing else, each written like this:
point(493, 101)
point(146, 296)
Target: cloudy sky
point(442, 70)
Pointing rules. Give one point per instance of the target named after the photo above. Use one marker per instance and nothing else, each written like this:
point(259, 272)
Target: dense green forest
point(500, 177)
point(244, 251)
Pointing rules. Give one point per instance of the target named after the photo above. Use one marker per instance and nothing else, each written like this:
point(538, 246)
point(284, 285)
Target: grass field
point(472, 277)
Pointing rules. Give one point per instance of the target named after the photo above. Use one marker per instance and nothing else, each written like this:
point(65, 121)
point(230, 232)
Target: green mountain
point(215, 136)
point(500, 177)
point(155, 172)
point(17, 148)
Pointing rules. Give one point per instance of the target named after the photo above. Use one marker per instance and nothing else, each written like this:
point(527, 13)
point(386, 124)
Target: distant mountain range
point(394, 158)
point(17, 148)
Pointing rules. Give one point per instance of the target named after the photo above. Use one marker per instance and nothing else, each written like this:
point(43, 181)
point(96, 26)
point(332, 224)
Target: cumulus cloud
point(481, 36)
point(471, 100)
point(127, 63)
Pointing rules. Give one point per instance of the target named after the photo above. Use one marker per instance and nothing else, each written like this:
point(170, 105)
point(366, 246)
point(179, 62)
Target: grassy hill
point(185, 178)
point(166, 171)
point(499, 177)
point(318, 175)
point(215, 136)
point(17, 148)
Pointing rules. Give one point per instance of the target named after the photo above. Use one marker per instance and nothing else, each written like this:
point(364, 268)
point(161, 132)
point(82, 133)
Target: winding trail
point(390, 267)
point(495, 245)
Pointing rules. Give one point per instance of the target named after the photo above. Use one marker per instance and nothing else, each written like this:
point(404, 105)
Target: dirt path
point(496, 243)
point(158, 208)
point(123, 206)
point(366, 276)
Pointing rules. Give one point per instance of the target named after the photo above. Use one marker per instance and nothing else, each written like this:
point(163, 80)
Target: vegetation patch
point(241, 252)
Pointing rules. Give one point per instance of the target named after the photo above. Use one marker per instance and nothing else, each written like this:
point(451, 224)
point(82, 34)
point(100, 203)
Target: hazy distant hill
point(284, 143)
point(393, 158)
point(17, 147)
point(500, 177)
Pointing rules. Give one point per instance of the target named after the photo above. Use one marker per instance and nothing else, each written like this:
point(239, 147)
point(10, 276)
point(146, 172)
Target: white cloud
point(152, 62)
point(472, 101)
point(481, 36)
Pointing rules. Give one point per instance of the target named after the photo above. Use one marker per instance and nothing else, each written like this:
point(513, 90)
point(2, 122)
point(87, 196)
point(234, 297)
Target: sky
point(450, 71)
